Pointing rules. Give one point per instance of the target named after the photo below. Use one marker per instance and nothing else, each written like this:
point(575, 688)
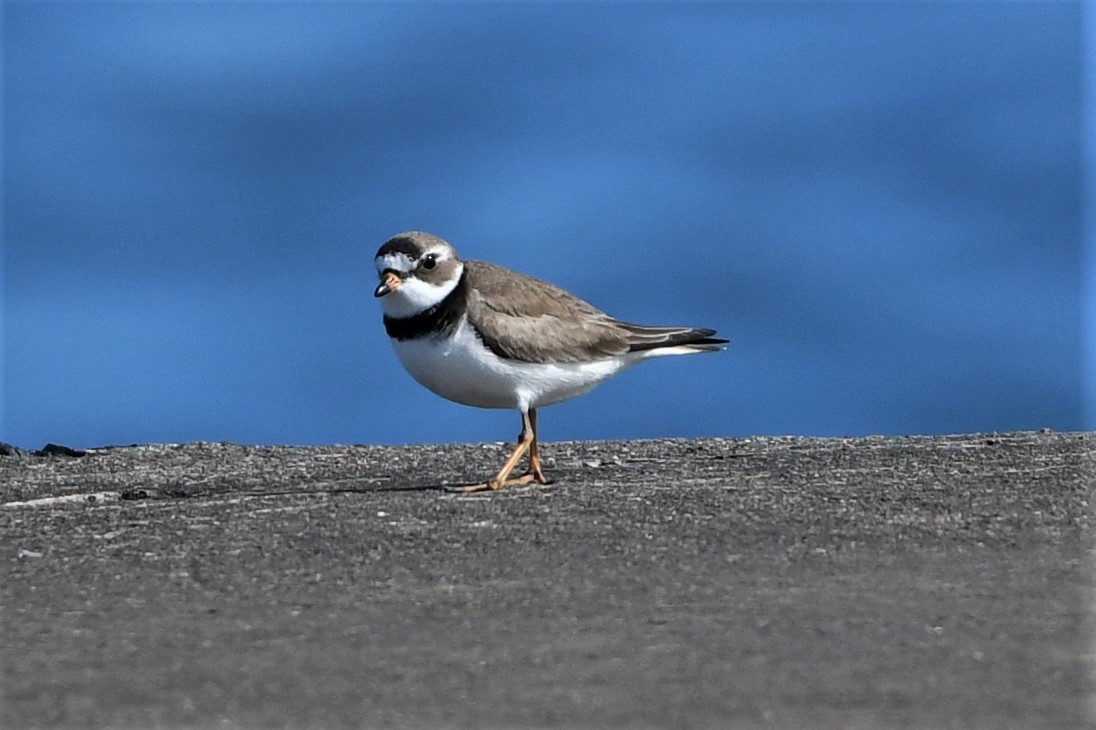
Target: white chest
point(461, 369)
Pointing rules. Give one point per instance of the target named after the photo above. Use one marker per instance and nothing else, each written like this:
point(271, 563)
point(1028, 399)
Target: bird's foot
point(495, 484)
point(537, 476)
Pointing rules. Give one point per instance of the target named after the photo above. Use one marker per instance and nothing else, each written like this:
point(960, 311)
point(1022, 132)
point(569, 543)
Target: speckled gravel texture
point(765, 582)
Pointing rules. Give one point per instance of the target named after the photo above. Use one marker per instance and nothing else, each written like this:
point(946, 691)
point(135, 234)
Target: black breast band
point(438, 320)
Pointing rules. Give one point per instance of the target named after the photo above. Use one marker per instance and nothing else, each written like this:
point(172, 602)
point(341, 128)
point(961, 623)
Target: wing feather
point(522, 318)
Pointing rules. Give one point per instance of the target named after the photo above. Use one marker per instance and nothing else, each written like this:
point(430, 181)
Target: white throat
point(415, 296)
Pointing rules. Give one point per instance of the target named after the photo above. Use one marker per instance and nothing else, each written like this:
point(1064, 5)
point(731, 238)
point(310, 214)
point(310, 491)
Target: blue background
point(882, 206)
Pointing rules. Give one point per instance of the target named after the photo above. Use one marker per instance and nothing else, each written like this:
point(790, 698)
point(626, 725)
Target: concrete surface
point(770, 582)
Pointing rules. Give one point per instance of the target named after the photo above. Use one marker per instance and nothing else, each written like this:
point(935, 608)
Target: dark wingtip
point(648, 338)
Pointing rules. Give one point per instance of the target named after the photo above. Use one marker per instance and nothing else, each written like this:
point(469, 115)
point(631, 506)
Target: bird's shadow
point(447, 488)
point(456, 489)
point(170, 493)
point(365, 488)
point(392, 488)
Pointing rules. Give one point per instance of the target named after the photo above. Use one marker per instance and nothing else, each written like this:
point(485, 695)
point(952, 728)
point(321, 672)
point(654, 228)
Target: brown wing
point(522, 318)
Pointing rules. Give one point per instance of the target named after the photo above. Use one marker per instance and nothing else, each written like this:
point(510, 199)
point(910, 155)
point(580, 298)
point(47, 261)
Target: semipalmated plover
point(485, 336)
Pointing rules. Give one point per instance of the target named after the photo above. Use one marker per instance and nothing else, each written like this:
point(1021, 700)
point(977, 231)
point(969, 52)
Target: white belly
point(461, 369)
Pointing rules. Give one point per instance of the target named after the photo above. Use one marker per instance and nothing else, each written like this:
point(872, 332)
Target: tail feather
point(652, 338)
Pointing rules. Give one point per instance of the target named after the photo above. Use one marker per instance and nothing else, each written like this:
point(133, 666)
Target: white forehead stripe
point(398, 261)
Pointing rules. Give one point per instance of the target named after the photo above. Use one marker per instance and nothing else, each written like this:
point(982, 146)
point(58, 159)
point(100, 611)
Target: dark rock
point(9, 450)
point(56, 450)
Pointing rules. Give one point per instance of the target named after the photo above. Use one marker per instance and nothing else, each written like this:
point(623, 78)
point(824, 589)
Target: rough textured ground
point(771, 582)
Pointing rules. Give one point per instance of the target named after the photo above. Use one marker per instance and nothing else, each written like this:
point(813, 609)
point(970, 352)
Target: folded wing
point(526, 319)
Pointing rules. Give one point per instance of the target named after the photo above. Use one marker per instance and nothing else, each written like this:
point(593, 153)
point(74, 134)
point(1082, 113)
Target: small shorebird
point(485, 336)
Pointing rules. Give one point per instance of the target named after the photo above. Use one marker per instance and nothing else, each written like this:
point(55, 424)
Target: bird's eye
point(429, 261)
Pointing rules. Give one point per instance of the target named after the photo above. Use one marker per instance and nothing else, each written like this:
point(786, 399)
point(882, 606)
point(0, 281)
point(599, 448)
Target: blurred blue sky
point(881, 205)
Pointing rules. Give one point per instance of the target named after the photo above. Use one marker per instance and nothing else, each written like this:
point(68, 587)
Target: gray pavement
point(771, 582)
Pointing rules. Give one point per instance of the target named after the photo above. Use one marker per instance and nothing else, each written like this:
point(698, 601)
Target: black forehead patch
point(406, 245)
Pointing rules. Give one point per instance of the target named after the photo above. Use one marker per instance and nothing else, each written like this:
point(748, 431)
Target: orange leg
point(502, 479)
point(534, 455)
